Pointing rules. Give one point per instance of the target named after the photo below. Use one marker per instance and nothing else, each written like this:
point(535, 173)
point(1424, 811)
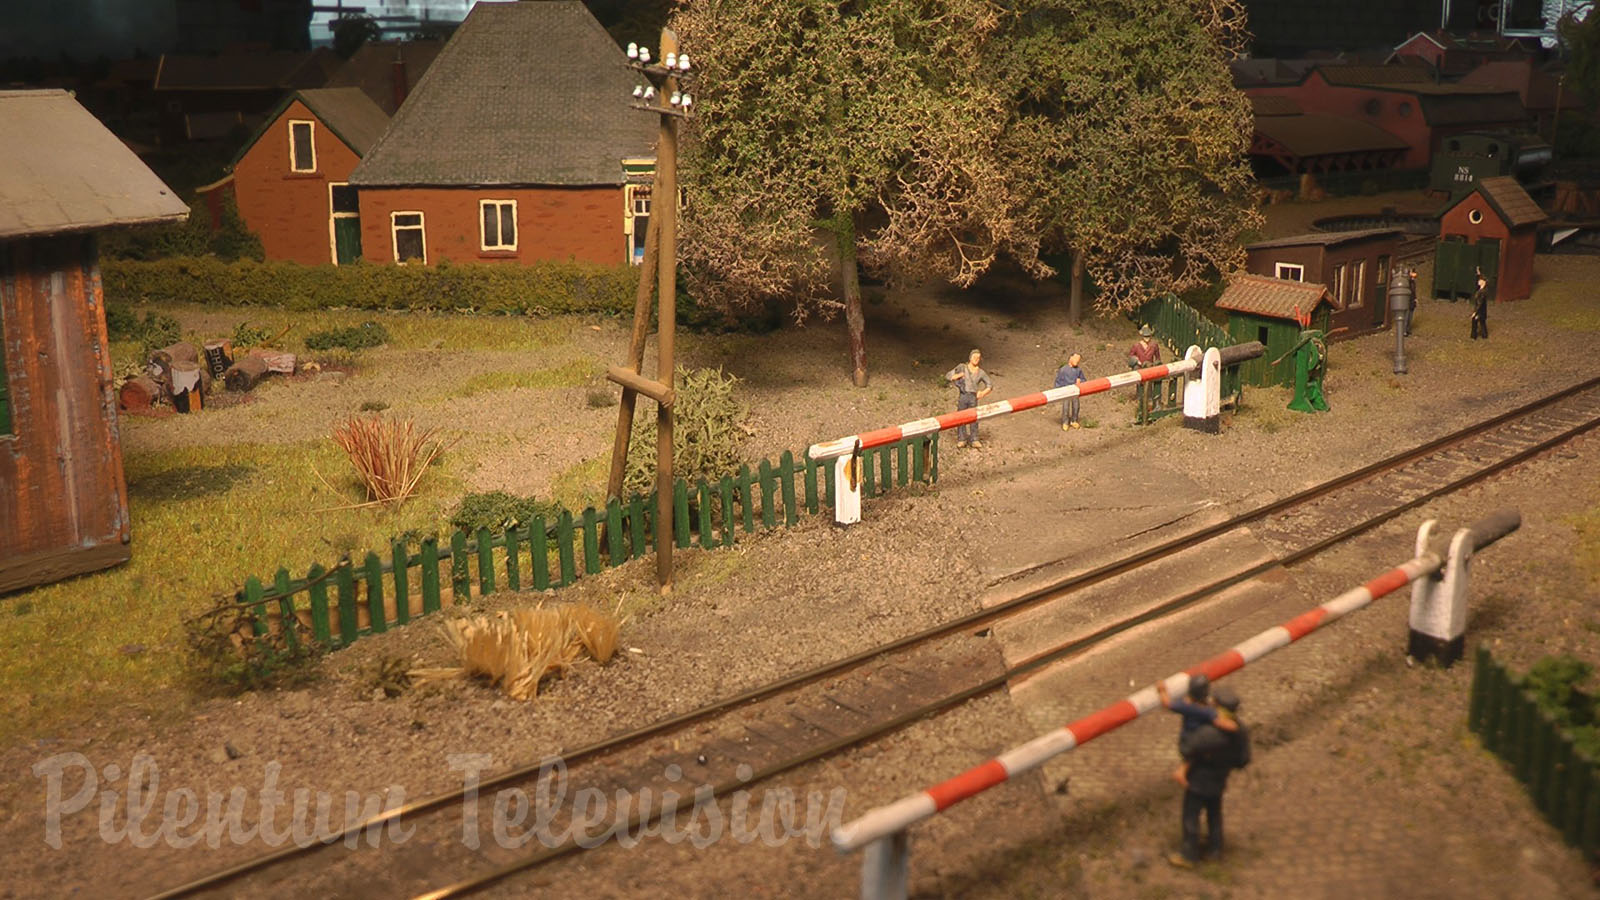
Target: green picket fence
point(334, 606)
point(1563, 782)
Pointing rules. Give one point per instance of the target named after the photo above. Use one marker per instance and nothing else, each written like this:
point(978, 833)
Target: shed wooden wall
point(1514, 273)
point(63, 502)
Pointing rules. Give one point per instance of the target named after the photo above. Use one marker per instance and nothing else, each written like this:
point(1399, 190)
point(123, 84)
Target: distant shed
point(1353, 264)
point(63, 176)
point(1495, 229)
point(1273, 311)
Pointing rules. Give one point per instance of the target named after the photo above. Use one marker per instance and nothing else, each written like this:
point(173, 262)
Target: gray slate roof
point(372, 68)
point(523, 94)
point(350, 113)
point(61, 170)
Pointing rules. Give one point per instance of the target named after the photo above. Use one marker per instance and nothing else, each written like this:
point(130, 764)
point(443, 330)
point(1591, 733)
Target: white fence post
point(1202, 397)
point(886, 867)
point(1439, 601)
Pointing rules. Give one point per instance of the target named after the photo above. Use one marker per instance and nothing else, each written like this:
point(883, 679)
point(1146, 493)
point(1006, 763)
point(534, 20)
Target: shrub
point(247, 335)
point(355, 337)
point(190, 238)
point(389, 455)
point(600, 397)
point(540, 287)
point(706, 432)
point(154, 331)
point(498, 511)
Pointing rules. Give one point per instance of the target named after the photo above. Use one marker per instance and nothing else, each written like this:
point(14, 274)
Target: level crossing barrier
point(1202, 407)
point(1438, 616)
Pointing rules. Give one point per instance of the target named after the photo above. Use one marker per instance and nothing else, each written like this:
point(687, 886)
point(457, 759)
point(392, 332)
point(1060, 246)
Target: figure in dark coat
point(1212, 754)
point(1480, 310)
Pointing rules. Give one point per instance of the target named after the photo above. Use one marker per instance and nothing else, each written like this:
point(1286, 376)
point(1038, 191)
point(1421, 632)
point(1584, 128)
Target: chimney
point(397, 76)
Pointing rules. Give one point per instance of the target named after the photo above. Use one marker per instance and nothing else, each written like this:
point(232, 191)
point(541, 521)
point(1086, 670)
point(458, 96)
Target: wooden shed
point(1273, 311)
point(1353, 264)
point(1494, 229)
point(63, 176)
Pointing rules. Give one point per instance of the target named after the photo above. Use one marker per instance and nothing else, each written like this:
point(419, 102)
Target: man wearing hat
point(1211, 753)
point(1145, 352)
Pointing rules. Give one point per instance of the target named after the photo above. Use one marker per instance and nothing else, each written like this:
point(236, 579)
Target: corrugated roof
point(372, 68)
point(61, 170)
point(523, 93)
point(1273, 105)
point(1399, 73)
point(246, 71)
point(350, 113)
point(1316, 134)
point(1324, 238)
point(1276, 298)
point(1508, 198)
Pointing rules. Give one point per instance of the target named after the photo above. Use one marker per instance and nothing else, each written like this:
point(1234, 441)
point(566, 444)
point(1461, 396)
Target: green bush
point(154, 331)
point(498, 510)
point(1554, 682)
point(190, 238)
point(706, 432)
point(539, 287)
point(356, 337)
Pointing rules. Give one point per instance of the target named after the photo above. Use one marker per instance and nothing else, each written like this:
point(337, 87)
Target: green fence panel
point(1480, 681)
point(430, 575)
point(485, 549)
point(344, 582)
point(1589, 832)
point(317, 593)
point(934, 470)
point(374, 578)
point(919, 459)
point(1580, 784)
point(1541, 744)
point(708, 538)
point(1493, 706)
point(680, 513)
point(1555, 786)
point(460, 578)
point(539, 550)
point(747, 509)
point(769, 488)
point(513, 542)
point(636, 531)
point(902, 452)
point(287, 621)
point(725, 492)
point(615, 550)
point(591, 541)
point(869, 479)
point(400, 570)
point(564, 537)
point(258, 609)
point(786, 468)
point(827, 484)
point(1516, 732)
point(810, 475)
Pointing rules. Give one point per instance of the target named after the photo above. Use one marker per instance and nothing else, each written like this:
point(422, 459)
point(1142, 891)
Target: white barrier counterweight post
point(1202, 397)
point(1439, 601)
point(886, 867)
point(847, 488)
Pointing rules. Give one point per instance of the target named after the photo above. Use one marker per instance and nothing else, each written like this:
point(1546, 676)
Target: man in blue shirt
point(1068, 375)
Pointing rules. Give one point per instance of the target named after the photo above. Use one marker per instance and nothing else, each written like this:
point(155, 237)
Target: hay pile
point(518, 648)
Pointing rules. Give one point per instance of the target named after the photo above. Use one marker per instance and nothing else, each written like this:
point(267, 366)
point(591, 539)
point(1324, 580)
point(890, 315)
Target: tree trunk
point(1075, 304)
point(138, 393)
point(855, 319)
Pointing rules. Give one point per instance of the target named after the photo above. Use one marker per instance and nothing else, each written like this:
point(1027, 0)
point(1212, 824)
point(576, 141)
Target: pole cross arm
point(1238, 353)
point(633, 381)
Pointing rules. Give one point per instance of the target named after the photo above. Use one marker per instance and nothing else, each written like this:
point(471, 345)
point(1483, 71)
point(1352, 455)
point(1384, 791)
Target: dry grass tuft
point(517, 650)
point(389, 455)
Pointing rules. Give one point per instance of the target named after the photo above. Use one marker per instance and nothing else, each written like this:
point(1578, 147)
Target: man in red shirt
point(1145, 352)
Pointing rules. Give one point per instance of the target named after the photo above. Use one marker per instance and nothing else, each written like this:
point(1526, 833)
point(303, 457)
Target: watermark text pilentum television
point(133, 805)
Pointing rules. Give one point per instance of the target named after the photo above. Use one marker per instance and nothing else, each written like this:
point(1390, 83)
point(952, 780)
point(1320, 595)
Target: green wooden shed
point(1273, 311)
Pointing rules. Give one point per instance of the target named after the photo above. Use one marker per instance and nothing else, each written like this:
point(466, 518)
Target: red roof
point(1274, 298)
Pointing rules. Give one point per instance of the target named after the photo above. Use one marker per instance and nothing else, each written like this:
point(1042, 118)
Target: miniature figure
point(974, 384)
point(1068, 375)
point(1480, 309)
point(1145, 352)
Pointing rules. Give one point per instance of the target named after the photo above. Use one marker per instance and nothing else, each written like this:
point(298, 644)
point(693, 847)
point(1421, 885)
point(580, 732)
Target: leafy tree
point(1580, 39)
point(351, 30)
point(934, 136)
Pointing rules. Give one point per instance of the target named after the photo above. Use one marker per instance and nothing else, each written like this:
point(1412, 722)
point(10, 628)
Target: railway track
point(742, 740)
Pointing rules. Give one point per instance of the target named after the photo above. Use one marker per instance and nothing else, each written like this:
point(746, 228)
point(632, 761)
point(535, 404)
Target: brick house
point(1402, 100)
point(1494, 229)
point(291, 179)
point(519, 144)
point(1353, 264)
point(63, 177)
point(1450, 55)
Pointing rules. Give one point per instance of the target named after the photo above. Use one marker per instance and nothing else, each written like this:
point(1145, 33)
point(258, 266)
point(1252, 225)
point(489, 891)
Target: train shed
point(1273, 311)
point(1493, 229)
point(1353, 264)
point(63, 177)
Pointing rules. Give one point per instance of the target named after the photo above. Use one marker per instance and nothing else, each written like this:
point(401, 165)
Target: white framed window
point(302, 145)
point(635, 220)
point(1358, 291)
point(499, 224)
point(1341, 285)
point(409, 237)
point(1289, 271)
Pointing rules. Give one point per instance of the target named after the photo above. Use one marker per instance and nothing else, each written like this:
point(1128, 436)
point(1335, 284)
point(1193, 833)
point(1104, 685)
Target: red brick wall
point(290, 209)
point(552, 223)
point(1317, 96)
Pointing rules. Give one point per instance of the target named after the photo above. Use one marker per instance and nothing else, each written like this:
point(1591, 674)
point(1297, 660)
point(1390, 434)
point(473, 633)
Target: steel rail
point(962, 623)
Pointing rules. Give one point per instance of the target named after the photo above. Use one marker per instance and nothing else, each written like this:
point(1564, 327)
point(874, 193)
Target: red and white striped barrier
point(884, 828)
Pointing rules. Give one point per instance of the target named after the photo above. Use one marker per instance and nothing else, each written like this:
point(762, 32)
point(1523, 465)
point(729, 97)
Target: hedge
point(540, 287)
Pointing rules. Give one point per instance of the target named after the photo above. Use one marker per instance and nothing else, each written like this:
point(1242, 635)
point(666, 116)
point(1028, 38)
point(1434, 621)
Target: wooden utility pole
point(661, 255)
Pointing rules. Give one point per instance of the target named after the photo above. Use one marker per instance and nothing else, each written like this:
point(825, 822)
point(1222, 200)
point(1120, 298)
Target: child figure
point(1197, 711)
point(1067, 375)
